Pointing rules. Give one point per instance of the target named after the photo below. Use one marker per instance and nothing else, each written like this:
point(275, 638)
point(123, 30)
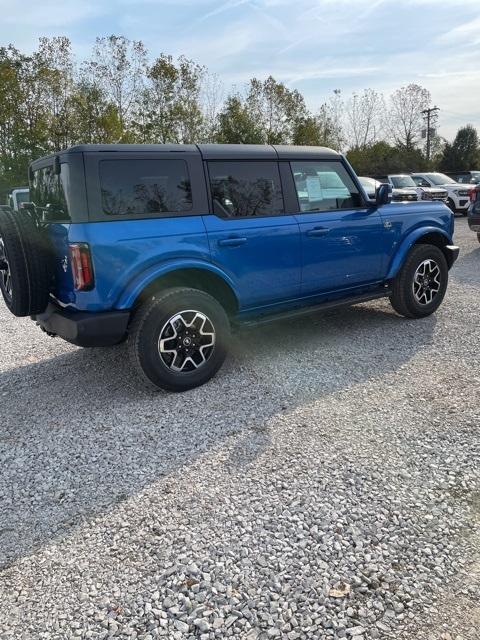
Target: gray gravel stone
point(324, 485)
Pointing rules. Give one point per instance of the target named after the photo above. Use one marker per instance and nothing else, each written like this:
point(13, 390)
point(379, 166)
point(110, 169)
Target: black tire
point(404, 299)
point(151, 321)
point(26, 264)
point(478, 237)
point(451, 205)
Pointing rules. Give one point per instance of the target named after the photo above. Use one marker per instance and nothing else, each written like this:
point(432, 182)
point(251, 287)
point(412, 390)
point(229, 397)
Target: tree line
point(49, 101)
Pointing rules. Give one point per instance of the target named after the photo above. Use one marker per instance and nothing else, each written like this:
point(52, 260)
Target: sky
point(314, 46)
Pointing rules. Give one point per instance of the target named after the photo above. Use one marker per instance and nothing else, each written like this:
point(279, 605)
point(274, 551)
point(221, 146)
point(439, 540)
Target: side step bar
point(305, 310)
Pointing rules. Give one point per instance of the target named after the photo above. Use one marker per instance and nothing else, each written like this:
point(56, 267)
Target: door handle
point(232, 242)
point(318, 232)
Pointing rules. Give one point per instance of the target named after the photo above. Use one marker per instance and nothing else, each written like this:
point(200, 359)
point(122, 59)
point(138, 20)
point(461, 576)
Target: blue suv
point(169, 246)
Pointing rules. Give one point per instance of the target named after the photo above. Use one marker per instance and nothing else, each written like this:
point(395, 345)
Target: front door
point(250, 236)
point(342, 237)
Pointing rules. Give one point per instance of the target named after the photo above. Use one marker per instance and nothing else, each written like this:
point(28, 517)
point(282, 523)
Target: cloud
point(467, 33)
point(47, 14)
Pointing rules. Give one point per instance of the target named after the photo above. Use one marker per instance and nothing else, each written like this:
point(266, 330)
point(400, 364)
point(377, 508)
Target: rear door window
point(143, 187)
point(245, 189)
point(324, 186)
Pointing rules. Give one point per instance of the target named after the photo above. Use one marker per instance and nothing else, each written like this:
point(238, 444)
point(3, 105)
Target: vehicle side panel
point(124, 252)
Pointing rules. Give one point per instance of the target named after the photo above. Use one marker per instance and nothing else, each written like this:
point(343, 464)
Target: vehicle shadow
point(78, 434)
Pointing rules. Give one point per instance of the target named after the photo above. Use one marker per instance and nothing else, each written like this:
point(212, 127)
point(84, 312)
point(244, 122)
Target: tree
point(236, 124)
point(381, 158)
point(275, 109)
point(211, 99)
point(95, 119)
point(463, 153)
point(364, 113)
point(118, 66)
point(57, 74)
point(169, 108)
point(405, 119)
point(320, 129)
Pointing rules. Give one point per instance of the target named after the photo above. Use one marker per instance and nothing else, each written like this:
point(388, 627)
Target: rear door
point(251, 238)
point(341, 236)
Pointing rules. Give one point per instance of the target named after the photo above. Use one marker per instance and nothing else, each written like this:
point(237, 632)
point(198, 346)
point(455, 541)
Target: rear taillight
point(473, 193)
point(81, 266)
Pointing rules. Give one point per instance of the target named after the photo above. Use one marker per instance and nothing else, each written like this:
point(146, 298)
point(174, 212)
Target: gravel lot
point(325, 485)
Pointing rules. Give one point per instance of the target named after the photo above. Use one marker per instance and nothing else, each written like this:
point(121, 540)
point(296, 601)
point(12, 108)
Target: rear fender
point(407, 244)
point(135, 288)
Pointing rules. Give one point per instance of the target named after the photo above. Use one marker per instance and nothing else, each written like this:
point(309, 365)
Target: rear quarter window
point(143, 187)
point(48, 192)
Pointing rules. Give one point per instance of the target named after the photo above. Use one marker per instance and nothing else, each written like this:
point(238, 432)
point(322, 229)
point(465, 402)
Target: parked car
point(170, 245)
point(474, 212)
point(405, 183)
point(465, 177)
point(17, 197)
point(458, 194)
point(370, 186)
point(402, 190)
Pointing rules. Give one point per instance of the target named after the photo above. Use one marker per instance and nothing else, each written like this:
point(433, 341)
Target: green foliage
point(463, 154)
point(236, 125)
point(169, 107)
point(381, 158)
point(49, 102)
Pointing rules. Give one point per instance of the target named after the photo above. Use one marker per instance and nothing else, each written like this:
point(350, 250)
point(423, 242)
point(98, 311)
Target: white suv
point(458, 194)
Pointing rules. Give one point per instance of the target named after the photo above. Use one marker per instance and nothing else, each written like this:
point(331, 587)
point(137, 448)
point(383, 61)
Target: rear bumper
point(85, 329)
point(474, 222)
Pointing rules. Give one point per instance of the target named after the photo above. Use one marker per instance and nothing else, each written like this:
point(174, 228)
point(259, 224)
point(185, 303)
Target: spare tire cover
point(26, 261)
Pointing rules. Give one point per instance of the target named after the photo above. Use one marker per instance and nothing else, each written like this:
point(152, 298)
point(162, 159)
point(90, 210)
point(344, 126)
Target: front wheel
point(420, 285)
point(178, 339)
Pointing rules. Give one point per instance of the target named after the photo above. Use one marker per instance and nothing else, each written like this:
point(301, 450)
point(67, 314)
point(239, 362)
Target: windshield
point(402, 182)
point(22, 196)
point(440, 178)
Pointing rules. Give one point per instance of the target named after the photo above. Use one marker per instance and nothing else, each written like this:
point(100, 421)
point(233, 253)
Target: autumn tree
point(275, 108)
point(364, 113)
point(118, 66)
point(169, 106)
point(405, 119)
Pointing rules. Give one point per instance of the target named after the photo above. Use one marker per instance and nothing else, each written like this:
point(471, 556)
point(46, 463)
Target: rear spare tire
point(25, 264)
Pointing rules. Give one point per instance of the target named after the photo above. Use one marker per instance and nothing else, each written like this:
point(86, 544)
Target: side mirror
point(384, 194)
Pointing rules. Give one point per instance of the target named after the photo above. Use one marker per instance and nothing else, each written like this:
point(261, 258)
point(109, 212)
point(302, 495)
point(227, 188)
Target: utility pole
point(430, 115)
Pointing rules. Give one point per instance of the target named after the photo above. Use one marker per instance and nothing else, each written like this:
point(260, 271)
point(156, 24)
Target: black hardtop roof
point(208, 151)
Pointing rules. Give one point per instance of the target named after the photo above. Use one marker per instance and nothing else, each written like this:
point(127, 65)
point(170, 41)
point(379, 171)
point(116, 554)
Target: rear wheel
point(420, 286)
point(178, 339)
point(478, 237)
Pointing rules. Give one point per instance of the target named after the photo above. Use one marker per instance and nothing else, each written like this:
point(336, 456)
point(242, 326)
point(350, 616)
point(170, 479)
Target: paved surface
point(324, 485)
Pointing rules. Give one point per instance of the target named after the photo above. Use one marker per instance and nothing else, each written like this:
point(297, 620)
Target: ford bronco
point(168, 246)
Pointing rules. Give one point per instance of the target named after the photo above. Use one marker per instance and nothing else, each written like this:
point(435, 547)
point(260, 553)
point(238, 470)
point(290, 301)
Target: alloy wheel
point(5, 273)
point(186, 341)
point(426, 281)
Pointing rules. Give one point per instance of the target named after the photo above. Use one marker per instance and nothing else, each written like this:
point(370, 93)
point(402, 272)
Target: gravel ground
point(325, 485)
